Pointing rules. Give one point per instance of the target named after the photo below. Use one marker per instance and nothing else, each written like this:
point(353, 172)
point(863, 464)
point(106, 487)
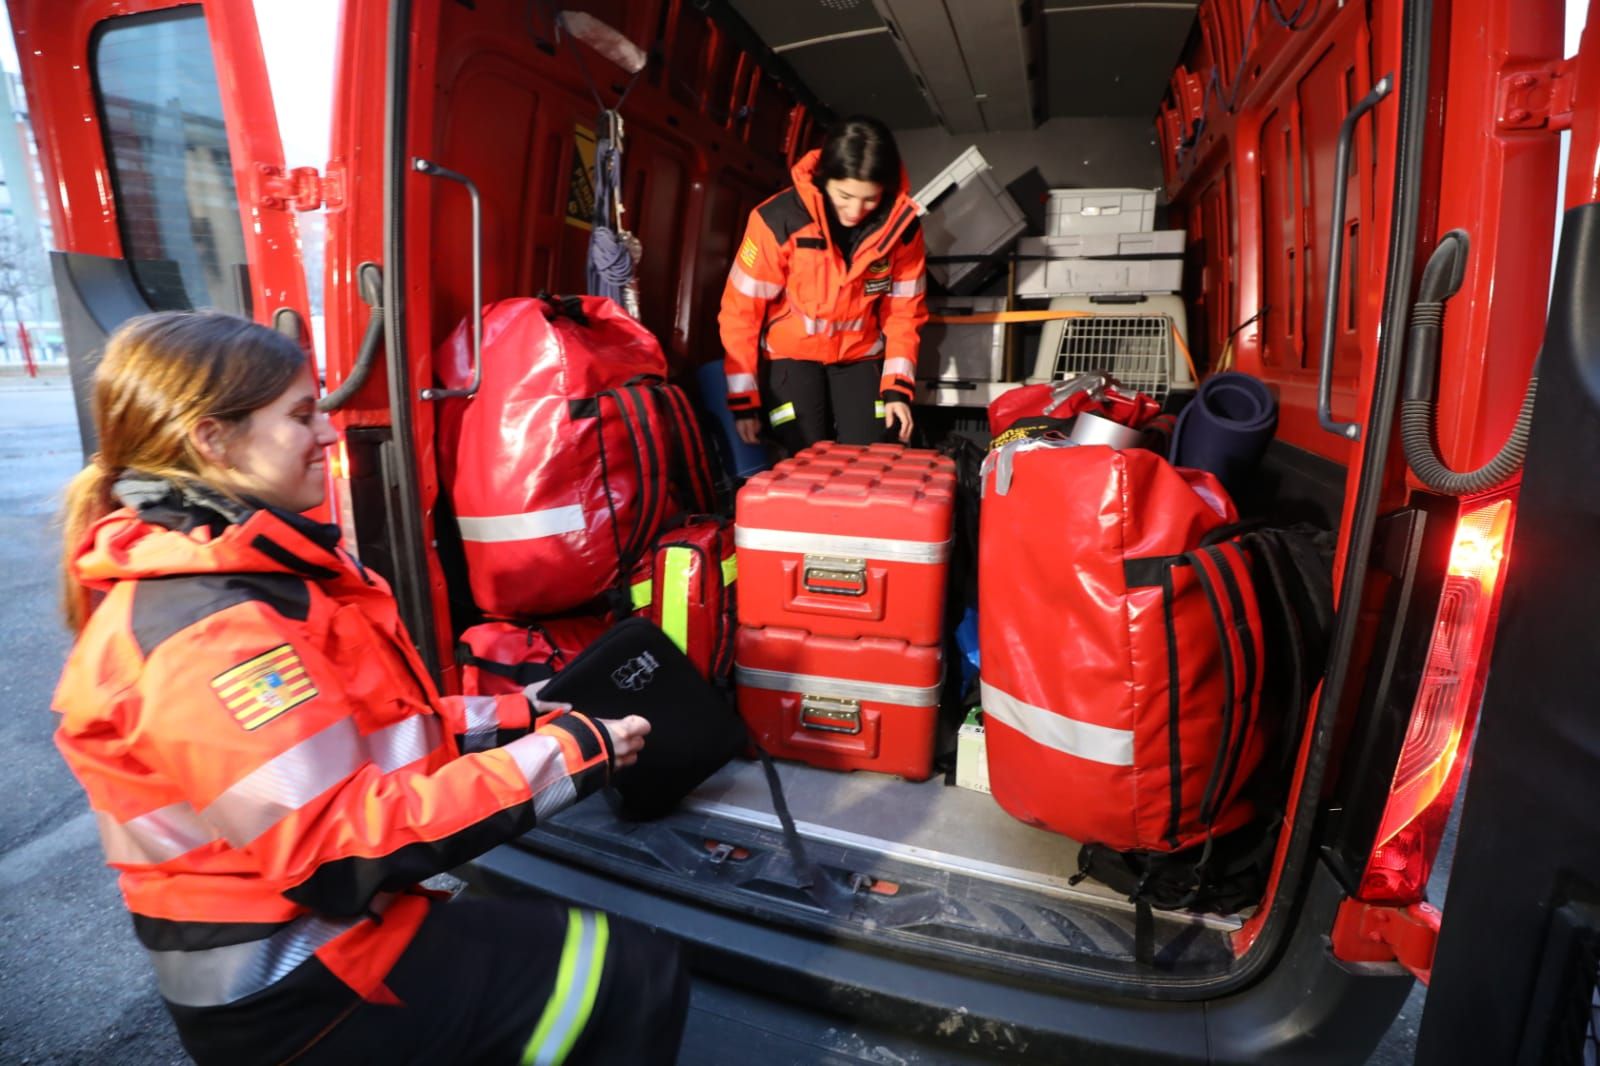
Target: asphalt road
point(77, 988)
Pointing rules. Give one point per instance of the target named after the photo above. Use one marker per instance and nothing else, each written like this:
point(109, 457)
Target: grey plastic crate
point(1044, 278)
point(1104, 245)
point(968, 213)
point(1074, 211)
point(963, 351)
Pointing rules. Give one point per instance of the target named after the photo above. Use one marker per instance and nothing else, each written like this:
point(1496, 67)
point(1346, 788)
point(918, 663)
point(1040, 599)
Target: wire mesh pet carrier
point(1138, 350)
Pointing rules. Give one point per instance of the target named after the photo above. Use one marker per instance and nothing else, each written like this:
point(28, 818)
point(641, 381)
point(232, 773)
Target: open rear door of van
point(1516, 974)
point(162, 166)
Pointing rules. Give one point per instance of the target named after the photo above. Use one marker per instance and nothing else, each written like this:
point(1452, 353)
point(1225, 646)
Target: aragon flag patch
point(260, 689)
point(748, 253)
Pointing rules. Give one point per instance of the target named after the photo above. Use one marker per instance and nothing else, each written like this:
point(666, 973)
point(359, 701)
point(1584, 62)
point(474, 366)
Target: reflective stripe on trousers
point(213, 977)
point(583, 960)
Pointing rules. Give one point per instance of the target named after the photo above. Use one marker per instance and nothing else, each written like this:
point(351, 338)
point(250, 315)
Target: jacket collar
point(901, 212)
point(170, 527)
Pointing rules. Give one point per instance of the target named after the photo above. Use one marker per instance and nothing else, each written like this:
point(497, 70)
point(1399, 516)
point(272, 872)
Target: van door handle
point(1330, 309)
point(434, 170)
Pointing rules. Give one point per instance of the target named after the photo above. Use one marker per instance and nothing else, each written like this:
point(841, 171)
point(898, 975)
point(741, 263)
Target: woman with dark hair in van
point(828, 283)
point(272, 769)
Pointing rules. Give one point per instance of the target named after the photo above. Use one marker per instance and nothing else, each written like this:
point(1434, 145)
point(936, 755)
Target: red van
point(1317, 158)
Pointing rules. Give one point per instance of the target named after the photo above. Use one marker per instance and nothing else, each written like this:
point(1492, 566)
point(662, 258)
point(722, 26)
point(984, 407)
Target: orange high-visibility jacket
point(268, 761)
point(789, 293)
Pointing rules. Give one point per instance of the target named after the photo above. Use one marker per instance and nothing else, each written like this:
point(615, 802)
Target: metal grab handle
point(434, 170)
point(1330, 309)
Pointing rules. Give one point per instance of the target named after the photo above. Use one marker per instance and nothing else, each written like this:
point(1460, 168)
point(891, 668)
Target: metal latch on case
point(830, 714)
point(834, 575)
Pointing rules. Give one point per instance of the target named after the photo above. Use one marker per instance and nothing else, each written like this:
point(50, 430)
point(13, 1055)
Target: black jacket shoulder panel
point(912, 229)
point(784, 215)
point(165, 606)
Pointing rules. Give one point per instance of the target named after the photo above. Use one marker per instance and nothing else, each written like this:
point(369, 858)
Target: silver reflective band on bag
point(838, 688)
point(876, 549)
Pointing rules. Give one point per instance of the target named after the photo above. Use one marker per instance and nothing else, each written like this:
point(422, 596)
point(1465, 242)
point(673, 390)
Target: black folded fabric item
point(635, 668)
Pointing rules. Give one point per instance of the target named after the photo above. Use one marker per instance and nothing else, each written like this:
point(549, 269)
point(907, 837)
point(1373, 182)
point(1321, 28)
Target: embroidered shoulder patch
point(260, 689)
point(748, 253)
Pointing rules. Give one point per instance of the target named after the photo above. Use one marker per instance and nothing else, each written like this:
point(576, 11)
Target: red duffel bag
point(1121, 657)
point(558, 468)
point(501, 657)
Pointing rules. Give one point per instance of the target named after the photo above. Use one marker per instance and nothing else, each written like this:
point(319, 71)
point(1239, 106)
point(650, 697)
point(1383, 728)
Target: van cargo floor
point(926, 823)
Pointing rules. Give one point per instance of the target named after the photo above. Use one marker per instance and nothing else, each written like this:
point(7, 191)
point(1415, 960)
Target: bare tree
point(22, 274)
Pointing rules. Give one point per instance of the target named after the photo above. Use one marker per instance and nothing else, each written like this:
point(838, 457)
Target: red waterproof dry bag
point(559, 468)
point(1121, 655)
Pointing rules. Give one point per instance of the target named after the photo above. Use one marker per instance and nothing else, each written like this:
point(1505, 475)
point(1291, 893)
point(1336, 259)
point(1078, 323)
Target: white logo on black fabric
point(636, 673)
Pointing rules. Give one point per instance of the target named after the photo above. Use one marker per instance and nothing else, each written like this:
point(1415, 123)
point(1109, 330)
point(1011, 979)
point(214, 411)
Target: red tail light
point(1446, 709)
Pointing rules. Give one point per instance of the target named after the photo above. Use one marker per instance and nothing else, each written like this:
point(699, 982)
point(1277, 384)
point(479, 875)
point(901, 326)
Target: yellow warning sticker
point(748, 253)
point(260, 689)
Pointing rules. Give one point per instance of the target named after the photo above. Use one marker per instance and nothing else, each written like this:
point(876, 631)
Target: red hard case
point(848, 541)
point(842, 704)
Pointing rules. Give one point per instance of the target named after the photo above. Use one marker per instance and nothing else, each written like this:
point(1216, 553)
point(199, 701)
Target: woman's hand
point(749, 428)
point(627, 738)
point(895, 411)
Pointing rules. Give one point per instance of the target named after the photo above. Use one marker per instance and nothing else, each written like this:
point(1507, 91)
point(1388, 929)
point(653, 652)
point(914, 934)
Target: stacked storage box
point(1099, 242)
point(968, 223)
point(843, 552)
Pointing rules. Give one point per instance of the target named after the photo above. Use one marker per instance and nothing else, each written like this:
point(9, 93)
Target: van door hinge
point(1369, 932)
point(1537, 97)
point(300, 189)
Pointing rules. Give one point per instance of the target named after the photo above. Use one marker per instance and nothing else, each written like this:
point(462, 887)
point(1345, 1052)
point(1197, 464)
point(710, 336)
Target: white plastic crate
point(1142, 344)
point(1044, 278)
point(1104, 245)
point(963, 352)
point(967, 212)
point(1074, 211)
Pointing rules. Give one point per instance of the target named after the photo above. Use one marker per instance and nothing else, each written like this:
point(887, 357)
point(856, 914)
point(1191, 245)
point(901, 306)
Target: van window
point(161, 112)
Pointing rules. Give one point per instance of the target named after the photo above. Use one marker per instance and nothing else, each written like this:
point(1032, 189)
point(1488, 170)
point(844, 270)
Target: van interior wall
point(1072, 152)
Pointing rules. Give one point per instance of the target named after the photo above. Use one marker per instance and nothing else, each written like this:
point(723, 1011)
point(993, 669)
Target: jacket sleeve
point(479, 723)
point(905, 310)
point(755, 280)
point(331, 802)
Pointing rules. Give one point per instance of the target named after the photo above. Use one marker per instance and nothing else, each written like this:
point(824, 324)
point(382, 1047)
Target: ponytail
point(88, 499)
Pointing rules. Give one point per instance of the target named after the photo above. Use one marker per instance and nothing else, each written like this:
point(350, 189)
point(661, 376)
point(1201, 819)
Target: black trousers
point(807, 402)
point(483, 981)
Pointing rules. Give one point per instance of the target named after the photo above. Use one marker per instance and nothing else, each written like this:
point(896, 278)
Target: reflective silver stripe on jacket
point(838, 687)
point(483, 722)
point(279, 787)
point(530, 525)
point(213, 977)
point(1097, 743)
point(908, 288)
point(542, 765)
point(900, 367)
point(880, 549)
point(741, 383)
point(264, 796)
point(157, 837)
point(828, 328)
point(753, 287)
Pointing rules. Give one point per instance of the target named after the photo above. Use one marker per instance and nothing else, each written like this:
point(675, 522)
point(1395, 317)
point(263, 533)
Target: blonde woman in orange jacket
point(824, 300)
point(272, 769)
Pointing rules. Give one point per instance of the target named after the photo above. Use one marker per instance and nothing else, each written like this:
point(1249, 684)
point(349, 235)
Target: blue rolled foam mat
point(1226, 428)
point(747, 459)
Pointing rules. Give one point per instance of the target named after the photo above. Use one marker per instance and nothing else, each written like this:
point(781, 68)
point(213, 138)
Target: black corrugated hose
point(1440, 280)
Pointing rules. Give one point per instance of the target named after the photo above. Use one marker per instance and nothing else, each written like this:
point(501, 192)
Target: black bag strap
point(808, 875)
point(1230, 666)
point(691, 468)
point(565, 307)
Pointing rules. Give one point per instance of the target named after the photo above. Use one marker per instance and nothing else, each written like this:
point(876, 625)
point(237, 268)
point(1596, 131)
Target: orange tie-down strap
point(1002, 317)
